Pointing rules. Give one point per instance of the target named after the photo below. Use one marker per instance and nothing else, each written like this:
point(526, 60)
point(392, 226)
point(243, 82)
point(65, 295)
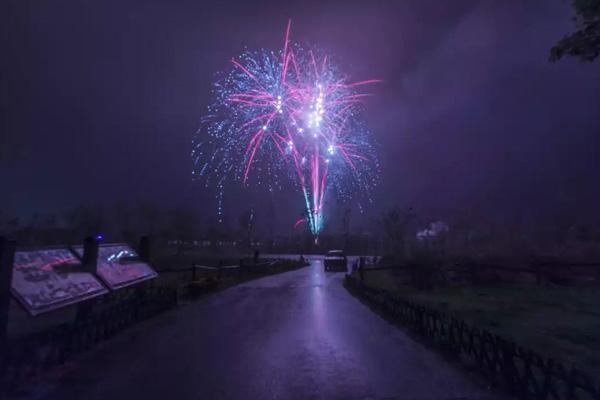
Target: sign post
point(90, 255)
point(7, 257)
point(144, 250)
point(89, 263)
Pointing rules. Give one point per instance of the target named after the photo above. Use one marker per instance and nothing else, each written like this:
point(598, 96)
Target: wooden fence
point(541, 272)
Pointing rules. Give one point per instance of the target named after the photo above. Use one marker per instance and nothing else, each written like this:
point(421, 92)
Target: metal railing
point(522, 372)
point(243, 270)
point(25, 357)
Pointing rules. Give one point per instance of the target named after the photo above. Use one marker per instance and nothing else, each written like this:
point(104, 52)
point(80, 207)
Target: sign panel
point(44, 280)
point(119, 266)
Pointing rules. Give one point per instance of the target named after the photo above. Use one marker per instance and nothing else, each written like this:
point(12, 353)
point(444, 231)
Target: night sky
point(100, 100)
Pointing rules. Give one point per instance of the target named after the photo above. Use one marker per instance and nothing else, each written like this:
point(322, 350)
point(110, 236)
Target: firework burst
point(288, 114)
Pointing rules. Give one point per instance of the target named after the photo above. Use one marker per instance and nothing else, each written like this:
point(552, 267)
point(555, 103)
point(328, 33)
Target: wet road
point(297, 335)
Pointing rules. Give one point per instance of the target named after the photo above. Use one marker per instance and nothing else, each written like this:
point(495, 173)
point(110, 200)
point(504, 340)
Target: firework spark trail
point(284, 115)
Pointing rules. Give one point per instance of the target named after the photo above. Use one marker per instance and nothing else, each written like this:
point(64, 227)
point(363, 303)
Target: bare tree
point(183, 226)
point(149, 216)
point(395, 224)
point(247, 222)
point(346, 223)
point(83, 221)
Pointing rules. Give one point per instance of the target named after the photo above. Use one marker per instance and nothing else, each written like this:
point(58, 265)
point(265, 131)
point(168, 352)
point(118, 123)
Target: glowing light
point(117, 256)
point(254, 129)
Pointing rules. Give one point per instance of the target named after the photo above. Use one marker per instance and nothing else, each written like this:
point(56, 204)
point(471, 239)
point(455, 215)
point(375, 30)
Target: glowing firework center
point(286, 115)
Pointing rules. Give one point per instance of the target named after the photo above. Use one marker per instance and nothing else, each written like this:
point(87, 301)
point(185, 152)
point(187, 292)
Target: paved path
point(297, 335)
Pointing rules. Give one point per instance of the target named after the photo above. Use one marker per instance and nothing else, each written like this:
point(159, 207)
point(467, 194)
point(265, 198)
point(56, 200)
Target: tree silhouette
point(395, 225)
point(183, 225)
point(585, 42)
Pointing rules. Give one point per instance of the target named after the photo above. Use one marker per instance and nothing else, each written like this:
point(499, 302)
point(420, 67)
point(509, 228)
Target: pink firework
point(289, 114)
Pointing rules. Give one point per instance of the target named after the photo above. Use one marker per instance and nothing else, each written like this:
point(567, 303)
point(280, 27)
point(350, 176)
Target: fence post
point(240, 268)
point(90, 255)
point(144, 249)
point(7, 258)
point(89, 263)
point(361, 268)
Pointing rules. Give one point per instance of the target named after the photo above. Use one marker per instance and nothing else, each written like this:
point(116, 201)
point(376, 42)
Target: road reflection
point(318, 281)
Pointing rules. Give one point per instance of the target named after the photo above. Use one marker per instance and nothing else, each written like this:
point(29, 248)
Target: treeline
point(118, 222)
point(397, 232)
point(470, 234)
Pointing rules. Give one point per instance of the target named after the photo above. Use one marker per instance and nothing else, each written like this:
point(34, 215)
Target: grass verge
point(559, 322)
